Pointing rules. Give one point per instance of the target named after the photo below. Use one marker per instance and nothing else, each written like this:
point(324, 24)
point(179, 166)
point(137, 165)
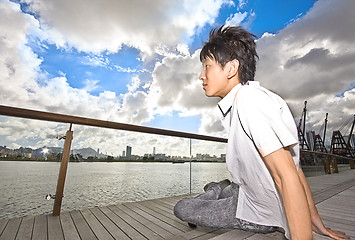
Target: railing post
point(335, 165)
point(190, 166)
point(62, 173)
point(327, 165)
point(352, 165)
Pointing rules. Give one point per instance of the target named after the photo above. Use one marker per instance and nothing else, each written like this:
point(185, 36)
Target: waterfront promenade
point(154, 219)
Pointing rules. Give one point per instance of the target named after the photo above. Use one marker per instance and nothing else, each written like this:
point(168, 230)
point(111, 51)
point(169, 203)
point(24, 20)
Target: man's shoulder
point(252, 93)
point(256, 93)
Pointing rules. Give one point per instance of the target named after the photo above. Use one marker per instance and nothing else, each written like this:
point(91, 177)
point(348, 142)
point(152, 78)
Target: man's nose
point(202, 76)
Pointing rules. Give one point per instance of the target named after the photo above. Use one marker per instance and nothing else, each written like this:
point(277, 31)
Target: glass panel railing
point(208, 164)
point(106, 166)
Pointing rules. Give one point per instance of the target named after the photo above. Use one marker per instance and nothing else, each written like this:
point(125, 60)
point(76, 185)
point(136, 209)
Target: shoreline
point(105, 160)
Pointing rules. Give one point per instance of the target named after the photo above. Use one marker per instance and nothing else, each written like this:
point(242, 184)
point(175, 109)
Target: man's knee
point(180, 210)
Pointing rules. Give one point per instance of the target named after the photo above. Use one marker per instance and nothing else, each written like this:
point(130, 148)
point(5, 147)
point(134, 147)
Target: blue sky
point(140, 65)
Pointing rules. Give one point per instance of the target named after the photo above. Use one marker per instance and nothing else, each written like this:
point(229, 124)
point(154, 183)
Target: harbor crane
point(338, 144)
point(301, 138)
point(319, 145)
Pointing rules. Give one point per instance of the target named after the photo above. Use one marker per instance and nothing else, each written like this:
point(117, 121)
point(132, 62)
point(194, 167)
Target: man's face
point(214, 79)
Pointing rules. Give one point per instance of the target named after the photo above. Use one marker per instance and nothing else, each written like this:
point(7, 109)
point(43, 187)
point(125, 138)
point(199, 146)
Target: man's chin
point(209, 94)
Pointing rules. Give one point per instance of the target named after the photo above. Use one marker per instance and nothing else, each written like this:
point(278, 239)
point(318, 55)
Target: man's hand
point(318, 227)
point(317, 223)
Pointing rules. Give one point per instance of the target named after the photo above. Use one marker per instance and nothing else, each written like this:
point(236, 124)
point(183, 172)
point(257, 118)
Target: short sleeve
point(264, 119)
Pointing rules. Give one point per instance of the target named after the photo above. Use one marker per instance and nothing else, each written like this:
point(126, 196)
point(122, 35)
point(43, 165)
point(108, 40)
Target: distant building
point(160, 156)
point(123, 153)
point(128, 151)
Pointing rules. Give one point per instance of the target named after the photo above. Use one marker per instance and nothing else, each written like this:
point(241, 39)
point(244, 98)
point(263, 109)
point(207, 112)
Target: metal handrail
point(327, 154)
point(55, 117)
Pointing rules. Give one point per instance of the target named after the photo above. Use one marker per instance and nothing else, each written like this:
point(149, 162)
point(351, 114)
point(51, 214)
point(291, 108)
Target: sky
point(137, 62)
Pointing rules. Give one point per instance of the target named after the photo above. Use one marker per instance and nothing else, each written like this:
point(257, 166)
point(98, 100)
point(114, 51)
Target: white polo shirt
point(268, 121)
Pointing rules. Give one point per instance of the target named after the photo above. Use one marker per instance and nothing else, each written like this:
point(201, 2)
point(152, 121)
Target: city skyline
point(54, 153)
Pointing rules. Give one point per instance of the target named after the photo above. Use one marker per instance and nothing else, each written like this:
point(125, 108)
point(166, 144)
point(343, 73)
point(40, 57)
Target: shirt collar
point(226, 103)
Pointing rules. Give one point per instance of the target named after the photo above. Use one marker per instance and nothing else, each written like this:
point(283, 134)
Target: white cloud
point(176, 85)
point(108, 95)
point(90, 85)
point(183, 49)
point(96, 61)
point(135, 83)
point(236, 19)
point(242, 4)
point(93, 26)
point(313, 59)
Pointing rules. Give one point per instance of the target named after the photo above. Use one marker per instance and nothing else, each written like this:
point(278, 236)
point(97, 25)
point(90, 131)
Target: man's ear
point(233, 68)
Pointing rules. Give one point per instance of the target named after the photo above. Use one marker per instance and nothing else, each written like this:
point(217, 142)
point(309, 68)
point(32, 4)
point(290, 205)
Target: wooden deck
point(154, 219)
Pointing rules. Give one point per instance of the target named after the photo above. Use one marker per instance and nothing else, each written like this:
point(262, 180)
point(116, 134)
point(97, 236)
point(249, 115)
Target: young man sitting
point(269, 189)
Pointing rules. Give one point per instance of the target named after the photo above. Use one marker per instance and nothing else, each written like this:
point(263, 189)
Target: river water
point(24, 185)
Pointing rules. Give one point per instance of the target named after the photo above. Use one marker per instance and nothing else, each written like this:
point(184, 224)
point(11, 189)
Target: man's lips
point(204, 85)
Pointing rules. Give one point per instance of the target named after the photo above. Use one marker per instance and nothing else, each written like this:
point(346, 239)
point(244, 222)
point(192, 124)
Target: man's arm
point(283, 171)
point(317, 224)
point(301, 212)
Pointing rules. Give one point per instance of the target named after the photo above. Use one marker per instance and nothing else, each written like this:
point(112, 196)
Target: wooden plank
point(340, 213)
point(235, 234)
point(337, 215)
point(40, 228)
point(95, 225)
point(335, 189)
point(68, 226)
point(156, 213)
point(146, 232)
point(55, 231)
point(157, 208)
point(115, 231)
point(26, 228)
point(163, 206)
point(340, 200)
point(3, 223)
point(81, 225)
point(177, 238)
point(158, 231)
point(11, 229)
point(169, 202)
point(269, 236)
point(207, 236)
point(124, 226)
point(212, 234)
point(197, 232)
point(335, 219)
point(153, 217)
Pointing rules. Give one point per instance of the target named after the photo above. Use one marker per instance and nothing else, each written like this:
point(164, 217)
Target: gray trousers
point(216, 208)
